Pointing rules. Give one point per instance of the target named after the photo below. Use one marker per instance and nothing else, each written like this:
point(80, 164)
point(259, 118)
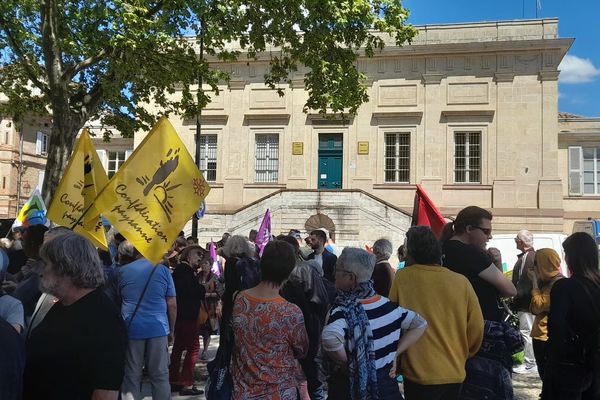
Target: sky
point(579, 81)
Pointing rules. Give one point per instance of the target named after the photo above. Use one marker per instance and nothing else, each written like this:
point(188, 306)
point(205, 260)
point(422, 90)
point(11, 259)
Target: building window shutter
point(41, 175)
point(575, 171)
point(102, 156)
point(38, 143)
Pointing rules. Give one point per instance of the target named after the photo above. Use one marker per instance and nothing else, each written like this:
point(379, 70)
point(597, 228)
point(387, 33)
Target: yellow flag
point(83, 179)
point(154, 193)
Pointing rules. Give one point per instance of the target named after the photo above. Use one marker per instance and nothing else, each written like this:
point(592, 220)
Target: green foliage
point(110, 59)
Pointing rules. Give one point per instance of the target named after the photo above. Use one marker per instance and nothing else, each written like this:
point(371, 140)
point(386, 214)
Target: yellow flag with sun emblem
point(154, 193)
point(83, 179)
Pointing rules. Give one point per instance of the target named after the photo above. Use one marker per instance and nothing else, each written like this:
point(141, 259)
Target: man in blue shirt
point(150, 328)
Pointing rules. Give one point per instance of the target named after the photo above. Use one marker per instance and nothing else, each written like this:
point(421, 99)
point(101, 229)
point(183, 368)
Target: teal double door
point(330, 161)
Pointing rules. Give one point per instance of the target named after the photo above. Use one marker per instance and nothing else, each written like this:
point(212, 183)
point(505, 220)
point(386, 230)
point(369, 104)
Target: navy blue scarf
point(362, 372)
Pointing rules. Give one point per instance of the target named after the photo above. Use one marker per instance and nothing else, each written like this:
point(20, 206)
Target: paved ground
point(526, 387)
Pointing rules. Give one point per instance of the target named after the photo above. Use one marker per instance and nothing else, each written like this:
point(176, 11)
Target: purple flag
point(215, 268)
point(264, 233)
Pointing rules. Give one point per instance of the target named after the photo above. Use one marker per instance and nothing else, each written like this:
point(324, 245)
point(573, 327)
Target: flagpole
point(83, 215)
point(198, 128)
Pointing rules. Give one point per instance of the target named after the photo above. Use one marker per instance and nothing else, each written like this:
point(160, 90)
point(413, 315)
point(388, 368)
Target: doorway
point(330, 161)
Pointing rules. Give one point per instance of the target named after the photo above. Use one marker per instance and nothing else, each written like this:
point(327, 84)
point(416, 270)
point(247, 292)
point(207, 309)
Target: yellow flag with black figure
point(154, 193)
point(83, 179)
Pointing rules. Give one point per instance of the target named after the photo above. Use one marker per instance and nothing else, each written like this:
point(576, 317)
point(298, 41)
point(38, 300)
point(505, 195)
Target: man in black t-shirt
point(78, 350)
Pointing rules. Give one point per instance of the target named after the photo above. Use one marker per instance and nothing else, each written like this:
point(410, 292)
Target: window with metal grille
point(267, 158)
point(208, 157)
point(115, 160)
point(397, 157)
point(467, 157)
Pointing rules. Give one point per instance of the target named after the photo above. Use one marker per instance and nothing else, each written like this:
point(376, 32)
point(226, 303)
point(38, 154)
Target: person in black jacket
point(572, 369)
point(326, 259)
point(190, 294)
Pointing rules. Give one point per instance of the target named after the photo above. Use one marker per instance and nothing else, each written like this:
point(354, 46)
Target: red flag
point(425, 213)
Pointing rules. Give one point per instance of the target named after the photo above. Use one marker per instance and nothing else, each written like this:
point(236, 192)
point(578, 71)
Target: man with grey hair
point(78, 350)
point(383, 273)
point(522, 301)
point(364, 332)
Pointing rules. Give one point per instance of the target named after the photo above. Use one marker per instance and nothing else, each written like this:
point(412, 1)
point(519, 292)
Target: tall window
point(467, 157)
point(397, 157)
point(41, 143)
point(267, 158)
point(208, 157)
point(584, 170)
point(115, 160)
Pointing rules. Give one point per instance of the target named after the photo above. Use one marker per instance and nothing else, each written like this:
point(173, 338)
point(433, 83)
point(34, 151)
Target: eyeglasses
point(486, 231)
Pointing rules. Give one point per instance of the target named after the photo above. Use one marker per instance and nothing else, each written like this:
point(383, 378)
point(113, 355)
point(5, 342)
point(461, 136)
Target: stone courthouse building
point(469, 111)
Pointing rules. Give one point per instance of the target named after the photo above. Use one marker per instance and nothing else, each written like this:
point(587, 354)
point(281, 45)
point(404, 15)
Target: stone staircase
point(353, 216)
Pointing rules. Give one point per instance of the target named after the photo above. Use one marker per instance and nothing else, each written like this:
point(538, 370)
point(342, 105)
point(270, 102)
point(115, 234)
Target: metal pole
point(19, 171)
point(198, 129)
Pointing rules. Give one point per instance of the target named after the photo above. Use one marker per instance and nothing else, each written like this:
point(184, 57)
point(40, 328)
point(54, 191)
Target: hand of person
point(9, 286)
point(171, 338)
point(219, 310)
point(393, 372)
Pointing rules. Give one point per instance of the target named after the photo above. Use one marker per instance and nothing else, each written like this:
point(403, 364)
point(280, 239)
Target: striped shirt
point(386, 320)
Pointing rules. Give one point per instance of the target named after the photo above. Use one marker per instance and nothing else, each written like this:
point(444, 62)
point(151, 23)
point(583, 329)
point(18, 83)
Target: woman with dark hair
point(241, 270)
point(214, 291)
point(488, 373)
point(189, 296)
point(463, 245)
point(572, 369)
point(434, 368)
point(269, 333)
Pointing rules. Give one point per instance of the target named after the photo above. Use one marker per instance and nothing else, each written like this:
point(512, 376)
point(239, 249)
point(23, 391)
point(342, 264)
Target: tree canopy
point(82, 59)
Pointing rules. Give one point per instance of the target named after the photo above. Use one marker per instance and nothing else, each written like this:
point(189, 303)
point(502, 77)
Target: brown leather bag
point(202, 316)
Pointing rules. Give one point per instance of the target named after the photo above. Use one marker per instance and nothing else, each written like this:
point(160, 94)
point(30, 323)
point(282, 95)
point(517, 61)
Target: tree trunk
point(60, 146)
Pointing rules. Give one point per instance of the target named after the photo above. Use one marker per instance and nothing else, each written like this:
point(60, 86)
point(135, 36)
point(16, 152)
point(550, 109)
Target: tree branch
point(25, 61)
point(74, 69)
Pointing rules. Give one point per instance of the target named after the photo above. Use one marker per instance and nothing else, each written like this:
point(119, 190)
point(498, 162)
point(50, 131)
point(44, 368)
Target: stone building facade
point(22, 161)
point(579, 165)
point(469, 111)
point(23, 158)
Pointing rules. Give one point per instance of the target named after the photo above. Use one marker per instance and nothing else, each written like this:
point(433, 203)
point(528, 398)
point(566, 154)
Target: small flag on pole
point(32, 213)
point(201, 211)
point(426, 213)
point(264, 233)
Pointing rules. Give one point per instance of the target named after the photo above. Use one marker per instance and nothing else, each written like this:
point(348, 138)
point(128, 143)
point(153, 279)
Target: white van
point(508, 248)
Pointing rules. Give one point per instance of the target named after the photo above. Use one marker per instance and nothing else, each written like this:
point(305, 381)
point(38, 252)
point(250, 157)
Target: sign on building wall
point(297, 148)
point(363, 147)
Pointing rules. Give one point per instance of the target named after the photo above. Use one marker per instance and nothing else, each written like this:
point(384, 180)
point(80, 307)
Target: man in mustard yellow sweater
point(434, 368)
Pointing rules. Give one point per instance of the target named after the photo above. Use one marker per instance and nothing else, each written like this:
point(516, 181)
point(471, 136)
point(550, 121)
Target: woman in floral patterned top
point(269, 333)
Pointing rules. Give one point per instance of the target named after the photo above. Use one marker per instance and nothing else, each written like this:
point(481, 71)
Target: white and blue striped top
point(387, 321)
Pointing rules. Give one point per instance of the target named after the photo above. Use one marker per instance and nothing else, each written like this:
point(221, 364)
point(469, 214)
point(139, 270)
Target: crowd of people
point(302, 321)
